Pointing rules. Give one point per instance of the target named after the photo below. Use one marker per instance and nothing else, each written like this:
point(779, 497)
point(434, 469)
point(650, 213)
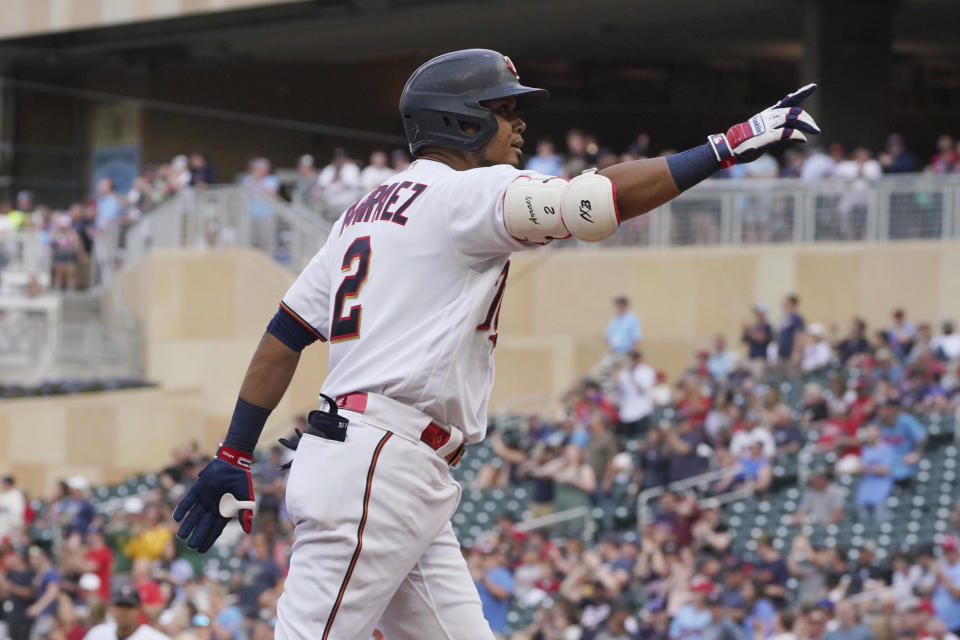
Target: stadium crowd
point(76, 258)
point(69, 562)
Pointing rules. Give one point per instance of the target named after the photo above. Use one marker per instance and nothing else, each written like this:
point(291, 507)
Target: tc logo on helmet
point(510, 66)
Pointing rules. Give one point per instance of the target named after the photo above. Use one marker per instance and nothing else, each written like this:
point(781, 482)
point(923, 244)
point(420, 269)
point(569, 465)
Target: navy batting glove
point(783, 122)
point(223, 489)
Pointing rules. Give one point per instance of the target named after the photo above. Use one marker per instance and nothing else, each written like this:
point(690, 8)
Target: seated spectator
point(937, 630)
point(46, 587)
point(694, 617)
point(150, 539)
point(683, 443)
point(757, 336)
point(495, 585)
point(907, 437)
point(602, 446)
point(574, 480)
point(202, 172)
point(787, 434)
point(901, 334)
point(855, 343)
point(823, 501)
point(750, 432)
point(79, 510)
point(788, 343)
point(946, 346)
point(399, 160)
point(546, 161)
point(339, 182)
point(721, 362)
point(756, 467)
point(816, 352)
point(876, 466)
point(946, 594)
point(945, 160)
point(305, 187)
point(850, 627)
point(653, 458)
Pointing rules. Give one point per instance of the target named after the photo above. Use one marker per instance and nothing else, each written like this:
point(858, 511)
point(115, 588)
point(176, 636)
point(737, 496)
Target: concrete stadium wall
point(204, 311)
point(28, 17)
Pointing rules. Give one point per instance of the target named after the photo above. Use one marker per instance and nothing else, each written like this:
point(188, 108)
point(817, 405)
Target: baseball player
point(125, 612)
point(407, 290)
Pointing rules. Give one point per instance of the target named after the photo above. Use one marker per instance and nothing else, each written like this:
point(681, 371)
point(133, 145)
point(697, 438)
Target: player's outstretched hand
point(224, 489)
point(783, 122)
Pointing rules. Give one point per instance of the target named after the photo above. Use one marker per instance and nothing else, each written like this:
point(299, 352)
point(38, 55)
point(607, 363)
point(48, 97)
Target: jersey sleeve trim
point(306, 325)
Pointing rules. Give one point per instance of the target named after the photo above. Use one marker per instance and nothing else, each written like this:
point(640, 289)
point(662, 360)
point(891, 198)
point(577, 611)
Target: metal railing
point(230, 216)
point(701, 481)
point(791, 211)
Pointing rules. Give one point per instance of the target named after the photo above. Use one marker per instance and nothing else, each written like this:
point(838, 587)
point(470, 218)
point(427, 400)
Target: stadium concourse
point(808, 491)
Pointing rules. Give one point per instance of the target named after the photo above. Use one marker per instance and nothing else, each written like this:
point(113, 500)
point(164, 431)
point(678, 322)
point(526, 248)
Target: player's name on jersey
point(386, 202)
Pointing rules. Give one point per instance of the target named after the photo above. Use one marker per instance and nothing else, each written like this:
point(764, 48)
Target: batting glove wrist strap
point(782, 122)
point(239, 459)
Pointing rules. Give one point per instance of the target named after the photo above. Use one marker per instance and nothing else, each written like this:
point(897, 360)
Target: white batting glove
point(784, 121)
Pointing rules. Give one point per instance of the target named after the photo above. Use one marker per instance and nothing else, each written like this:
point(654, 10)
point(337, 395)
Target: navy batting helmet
point(447, 91)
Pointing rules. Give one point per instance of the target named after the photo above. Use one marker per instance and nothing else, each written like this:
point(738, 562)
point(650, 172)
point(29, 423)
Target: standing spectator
point(788, 346)
point(901, 334)
point(126, 614)
point(906, 435)
point(946, 594)
point(601, 447)
point(820, 165)
point(850, 627)
point(19, 218)
point(202, 173)
point(817, 352)
point(946, 346)
point(640, 148)
point(79, 511)
point(46, 588)
point(148, 590)
point(375, 173)
point(13, 506)
point(339, 182)
point(945, 159)
point(303, 188)
point(269, 482)
point(897, 158)
point(67, 252)
point(149, 541)
point(771, 571)
point(495, 585)
point(635, 381)
point(109, 206)
point(683, 441)
point(546, 161)
point(856, 341)
point(653, 459)
point(576, 154)
point(721, 362)
point(758, 336)
point(876, 465)
point(99, 561)
point(823, 502)
point(693, 618)
point(262, 185)
point(624, 330)
point(722, 626)
point(18, 582)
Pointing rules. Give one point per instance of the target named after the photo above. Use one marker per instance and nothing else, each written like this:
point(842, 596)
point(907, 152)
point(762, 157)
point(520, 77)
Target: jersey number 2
point(346, 327)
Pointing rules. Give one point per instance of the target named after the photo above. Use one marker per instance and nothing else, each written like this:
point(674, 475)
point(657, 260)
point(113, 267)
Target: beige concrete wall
point(28, 17)
point(203, 313)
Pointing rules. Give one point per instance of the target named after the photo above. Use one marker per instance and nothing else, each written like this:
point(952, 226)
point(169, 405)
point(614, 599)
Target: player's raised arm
point(591, 206)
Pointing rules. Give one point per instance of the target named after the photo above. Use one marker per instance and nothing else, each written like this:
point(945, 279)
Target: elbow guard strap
point(538, 209)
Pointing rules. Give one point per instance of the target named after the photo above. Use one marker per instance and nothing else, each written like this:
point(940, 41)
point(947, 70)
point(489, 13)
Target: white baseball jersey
point(408, 287)
point(108, 631)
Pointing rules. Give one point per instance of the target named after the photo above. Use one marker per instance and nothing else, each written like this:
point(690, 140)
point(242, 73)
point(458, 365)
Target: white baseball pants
point(374, 546)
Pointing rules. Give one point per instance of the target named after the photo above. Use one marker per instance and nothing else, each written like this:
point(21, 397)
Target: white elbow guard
point(589, 207)
point(531, 209)
point(539, 209)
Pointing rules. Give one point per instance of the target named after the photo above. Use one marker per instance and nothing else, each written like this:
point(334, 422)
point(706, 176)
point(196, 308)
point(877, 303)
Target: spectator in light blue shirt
point(876, 464)
point(946, 595)
point(693, 617)
point(624, 330)
point(495, 587)
point(906, 435)
point(546, 161)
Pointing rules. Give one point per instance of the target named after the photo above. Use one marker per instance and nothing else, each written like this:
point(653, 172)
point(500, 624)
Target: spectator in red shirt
point(99, 559)
point(151, 596)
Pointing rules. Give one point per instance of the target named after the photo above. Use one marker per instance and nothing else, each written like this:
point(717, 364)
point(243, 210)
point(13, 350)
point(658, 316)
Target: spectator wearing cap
point(823, 501)
point(817, 352)
point(377, 171)
point(850, 627)
point(788, 346)
point(906, 435)
point(79, 511)
point(946, 594)
point(855, 343)
point(624, 330)
point(13, 506)
point(495, 585)
point(758, 337)
point(876, 467)
point(693, 618)
point(399, 160)
point(897, 158)
point(722, 625)
point(635, 382)
point(125, 611)
point(655, 624)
